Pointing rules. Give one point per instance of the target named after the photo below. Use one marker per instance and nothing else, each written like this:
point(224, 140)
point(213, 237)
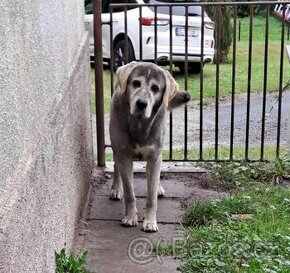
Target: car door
point(118, 21)
point(89, 25)
point(89, 21)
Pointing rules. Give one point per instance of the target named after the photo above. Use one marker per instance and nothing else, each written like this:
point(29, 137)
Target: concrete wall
point(45, 130)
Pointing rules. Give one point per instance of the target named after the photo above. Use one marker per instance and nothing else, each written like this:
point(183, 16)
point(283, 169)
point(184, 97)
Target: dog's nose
point(141, 104)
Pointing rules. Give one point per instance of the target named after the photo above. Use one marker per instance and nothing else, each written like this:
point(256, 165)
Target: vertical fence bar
point(249, 83)
point(112, 56)
point(99, 86)
point(239, 34)
point(170, 39)
point(155, 34)
point(186, 47)
point(186, 82)
point(171, 66)
point(201, 86)
point(126, 59)
point(218, 51)
point(233, 84)
point(140, 35)
point(265, 83)
point(280, 82)
point(170, 135)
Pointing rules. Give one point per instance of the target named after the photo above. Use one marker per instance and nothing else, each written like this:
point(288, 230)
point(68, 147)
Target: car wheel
point(193, 68)
point(120, 54)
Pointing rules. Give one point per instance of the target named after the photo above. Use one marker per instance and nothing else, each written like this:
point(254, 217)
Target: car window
point(88, 6)
point(177, 10)
point(106, 5)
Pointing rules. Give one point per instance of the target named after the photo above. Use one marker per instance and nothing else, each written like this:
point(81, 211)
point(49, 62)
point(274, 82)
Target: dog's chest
point(144, 152)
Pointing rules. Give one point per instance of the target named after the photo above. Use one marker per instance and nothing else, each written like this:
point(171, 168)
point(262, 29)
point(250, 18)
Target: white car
point(148, 36)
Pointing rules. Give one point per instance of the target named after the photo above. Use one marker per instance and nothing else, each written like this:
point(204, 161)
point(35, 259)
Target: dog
point(143, 94)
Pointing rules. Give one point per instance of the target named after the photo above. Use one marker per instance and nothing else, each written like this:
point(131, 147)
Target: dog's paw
point(186, 97)
point(116, 194)
point(129, 221)
point(161, 191)
point(149, 226)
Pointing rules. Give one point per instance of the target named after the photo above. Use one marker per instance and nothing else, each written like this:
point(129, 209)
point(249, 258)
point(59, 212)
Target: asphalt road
point(224, 124)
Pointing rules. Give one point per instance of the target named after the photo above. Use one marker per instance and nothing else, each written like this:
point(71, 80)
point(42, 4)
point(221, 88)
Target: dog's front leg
point(125, 167)
point(117, 187)
point(153, 177)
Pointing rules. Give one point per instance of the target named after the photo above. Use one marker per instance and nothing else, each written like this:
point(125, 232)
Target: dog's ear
point(171, 88)
point(123, 73)
point(172, 97)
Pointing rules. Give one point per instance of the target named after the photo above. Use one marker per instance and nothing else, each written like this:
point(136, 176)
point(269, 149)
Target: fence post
point(239, 34)
point(99, 86)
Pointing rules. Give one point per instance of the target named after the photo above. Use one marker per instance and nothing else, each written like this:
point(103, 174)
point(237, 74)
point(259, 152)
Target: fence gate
point(230, 56)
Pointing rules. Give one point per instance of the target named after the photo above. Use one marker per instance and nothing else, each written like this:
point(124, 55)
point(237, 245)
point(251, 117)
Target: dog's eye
point(155, 88)
point(136, 83)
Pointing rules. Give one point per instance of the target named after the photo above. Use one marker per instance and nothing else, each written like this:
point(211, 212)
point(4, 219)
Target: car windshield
point(177, 10)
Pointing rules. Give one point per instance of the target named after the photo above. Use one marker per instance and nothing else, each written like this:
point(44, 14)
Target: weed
point(236, 248)
point(242, 175)
point(204, 213)
point(69, 264)
point(221, 244)
point(218, 242)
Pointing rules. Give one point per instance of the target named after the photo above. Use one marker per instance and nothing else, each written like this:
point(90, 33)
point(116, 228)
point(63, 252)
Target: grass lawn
point(226, 69)
point(247, 231)
point(224, 153)
point(258, 244)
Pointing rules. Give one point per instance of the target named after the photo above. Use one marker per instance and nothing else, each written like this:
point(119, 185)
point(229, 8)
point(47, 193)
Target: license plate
point(192, 32)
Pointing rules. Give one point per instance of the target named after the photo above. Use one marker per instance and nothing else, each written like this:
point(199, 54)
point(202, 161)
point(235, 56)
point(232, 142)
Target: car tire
point(119, 54)
point(193, 68)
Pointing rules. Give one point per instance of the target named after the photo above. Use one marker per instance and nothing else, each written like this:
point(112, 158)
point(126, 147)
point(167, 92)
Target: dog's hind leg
point(161, 191)
point(153, 184)
point(117, 187)
point(125, 166)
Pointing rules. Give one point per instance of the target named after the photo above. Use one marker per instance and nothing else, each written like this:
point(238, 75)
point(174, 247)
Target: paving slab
point(173, 188)
point(166, 167)
point(102, 208)
point(117, 249)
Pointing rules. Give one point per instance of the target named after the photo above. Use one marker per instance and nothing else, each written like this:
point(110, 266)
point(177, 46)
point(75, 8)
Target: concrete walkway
point(113, 248)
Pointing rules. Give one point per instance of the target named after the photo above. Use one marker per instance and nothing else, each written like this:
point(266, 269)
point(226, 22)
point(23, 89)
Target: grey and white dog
point(138, 116)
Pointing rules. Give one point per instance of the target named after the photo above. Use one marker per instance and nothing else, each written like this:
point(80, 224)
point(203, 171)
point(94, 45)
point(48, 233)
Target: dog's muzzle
point(141, 108)
point(141, 104)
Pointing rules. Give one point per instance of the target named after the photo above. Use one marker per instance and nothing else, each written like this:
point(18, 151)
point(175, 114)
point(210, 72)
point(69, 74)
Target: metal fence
point(199, 145)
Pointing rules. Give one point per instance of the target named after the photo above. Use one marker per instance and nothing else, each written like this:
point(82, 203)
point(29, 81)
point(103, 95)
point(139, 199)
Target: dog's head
point(148, 86)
